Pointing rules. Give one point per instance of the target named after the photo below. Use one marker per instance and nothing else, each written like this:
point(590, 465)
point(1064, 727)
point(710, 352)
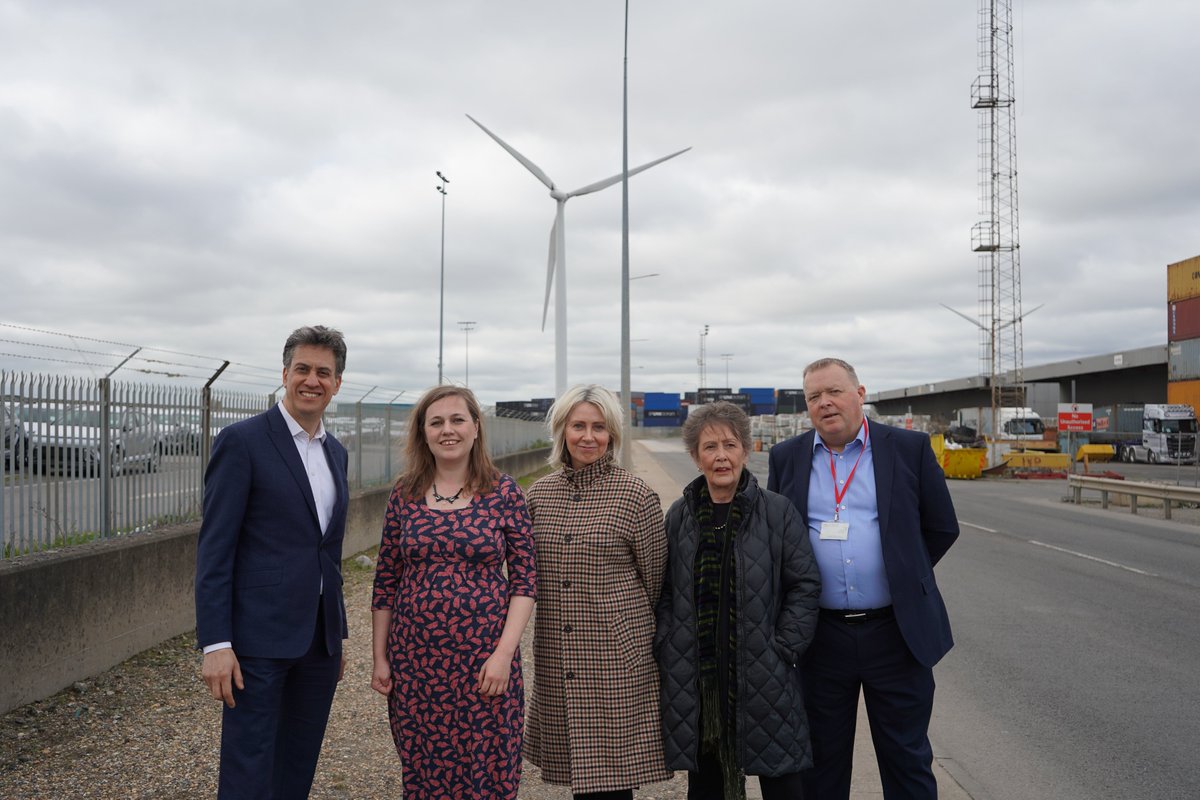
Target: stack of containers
point(790, 401)
point(661, 410)
point(1183, 332)
point(762, 401)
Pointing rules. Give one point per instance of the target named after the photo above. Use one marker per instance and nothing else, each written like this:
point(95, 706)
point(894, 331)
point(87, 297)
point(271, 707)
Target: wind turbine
point(556, 267)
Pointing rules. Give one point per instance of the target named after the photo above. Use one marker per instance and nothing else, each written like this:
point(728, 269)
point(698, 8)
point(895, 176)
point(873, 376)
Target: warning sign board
point(1076, 417)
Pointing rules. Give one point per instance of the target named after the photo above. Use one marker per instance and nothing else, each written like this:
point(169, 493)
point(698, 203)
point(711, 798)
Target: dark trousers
point(899, 697)
point(271, 739)
point(708, 783)
point(619, 794)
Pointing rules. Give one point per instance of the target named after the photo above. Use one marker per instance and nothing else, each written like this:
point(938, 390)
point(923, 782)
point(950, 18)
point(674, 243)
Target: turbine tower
point(995, 237)
point(556, 268)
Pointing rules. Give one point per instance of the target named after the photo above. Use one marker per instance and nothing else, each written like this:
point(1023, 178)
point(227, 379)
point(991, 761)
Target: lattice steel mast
point(995, 237)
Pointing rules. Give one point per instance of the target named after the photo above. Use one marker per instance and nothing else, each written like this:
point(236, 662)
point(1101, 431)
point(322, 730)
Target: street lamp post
point(626, 383)
point(442, 284)
point(727, 357)
point(700, 359)
point(467, 326)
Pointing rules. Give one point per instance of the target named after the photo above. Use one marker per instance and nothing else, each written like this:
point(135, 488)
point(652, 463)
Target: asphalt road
point(1074, 673)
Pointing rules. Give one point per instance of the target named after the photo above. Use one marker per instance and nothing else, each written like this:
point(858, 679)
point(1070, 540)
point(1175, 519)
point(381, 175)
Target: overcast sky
point(201, 178)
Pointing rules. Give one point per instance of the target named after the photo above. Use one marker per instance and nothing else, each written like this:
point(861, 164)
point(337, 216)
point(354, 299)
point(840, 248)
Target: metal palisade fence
point(87, 459)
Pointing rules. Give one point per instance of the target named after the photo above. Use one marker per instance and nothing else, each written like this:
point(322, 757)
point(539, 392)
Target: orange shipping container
point(1184, 392)
point(1183, 279)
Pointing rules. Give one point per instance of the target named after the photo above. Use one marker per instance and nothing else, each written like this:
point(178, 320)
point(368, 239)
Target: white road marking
point(1093, 558)
point(978, 527)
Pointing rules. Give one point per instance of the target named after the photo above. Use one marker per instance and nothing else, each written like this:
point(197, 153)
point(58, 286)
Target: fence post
point(106, 461)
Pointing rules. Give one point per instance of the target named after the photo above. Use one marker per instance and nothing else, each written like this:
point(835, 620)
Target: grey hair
point(601, 398)
point(822, 363)
point(719, 415)
point(317, 336)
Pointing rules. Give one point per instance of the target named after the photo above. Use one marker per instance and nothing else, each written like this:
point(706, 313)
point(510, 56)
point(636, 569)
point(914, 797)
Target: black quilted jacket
point(777, 589)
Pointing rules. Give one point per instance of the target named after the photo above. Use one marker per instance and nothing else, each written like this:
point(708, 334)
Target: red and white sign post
point(1074, 417)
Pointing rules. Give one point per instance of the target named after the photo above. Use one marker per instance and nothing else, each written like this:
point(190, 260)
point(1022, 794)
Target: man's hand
point(222, 673)
point(342, 669)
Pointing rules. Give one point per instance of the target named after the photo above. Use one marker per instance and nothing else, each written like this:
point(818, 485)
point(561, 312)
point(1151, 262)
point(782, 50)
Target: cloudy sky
point(200, 178)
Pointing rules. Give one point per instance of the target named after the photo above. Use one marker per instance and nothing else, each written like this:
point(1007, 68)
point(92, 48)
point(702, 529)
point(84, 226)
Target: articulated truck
point(1156, 433)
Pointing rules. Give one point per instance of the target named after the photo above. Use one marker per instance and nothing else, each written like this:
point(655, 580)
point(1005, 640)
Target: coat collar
point(593, 473)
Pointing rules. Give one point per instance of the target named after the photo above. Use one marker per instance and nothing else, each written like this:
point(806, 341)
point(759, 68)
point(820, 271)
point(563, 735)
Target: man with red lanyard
point(879, 516)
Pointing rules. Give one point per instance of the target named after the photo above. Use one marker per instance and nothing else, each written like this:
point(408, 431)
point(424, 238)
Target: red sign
point(1075, 417)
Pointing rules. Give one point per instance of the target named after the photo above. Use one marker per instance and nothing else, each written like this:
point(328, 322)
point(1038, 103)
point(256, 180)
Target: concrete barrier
point(71, 613)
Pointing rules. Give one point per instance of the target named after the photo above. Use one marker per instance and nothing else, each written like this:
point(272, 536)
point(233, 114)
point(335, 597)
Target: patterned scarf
point(715, 571)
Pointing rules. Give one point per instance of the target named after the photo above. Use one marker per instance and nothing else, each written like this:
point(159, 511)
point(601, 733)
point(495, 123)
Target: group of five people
point(731, 637)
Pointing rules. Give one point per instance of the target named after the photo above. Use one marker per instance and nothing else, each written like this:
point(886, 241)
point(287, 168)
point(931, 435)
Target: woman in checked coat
point(593, 722)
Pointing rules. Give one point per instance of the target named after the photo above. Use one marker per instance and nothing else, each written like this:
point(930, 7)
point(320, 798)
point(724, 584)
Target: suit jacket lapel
point(282, 439)
point(339, 482)
point(883, 456)
point(803, 465)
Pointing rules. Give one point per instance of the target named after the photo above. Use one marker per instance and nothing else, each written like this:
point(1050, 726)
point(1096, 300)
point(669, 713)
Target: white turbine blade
point(529, 165)
point(604, 184)
point(550, 273)
point(971, 320)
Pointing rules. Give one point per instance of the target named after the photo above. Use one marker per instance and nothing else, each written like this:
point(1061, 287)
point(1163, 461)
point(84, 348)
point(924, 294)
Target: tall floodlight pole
point(466, 327)
point(727, 357)
point(626, 382)
point(700, 358)
point(442, 284)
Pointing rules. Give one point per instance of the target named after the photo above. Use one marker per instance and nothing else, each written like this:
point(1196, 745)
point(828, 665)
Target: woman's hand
point(381, 677)
point(494, 675)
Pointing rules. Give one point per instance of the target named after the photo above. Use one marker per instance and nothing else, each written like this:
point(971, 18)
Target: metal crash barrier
point(1166, 493)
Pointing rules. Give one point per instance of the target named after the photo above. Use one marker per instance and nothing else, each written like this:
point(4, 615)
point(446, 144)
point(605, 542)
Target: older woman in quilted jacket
point(738, 610)
point(593, 721)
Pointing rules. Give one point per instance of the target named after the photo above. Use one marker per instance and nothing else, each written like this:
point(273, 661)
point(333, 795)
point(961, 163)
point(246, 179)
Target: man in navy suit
point(269, 610)
point(879, 517)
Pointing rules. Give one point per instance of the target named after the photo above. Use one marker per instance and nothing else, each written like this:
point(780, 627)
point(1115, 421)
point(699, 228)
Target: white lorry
point(1168, 436)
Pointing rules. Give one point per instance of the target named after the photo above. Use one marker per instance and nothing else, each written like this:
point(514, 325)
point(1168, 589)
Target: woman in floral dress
point(446, 621)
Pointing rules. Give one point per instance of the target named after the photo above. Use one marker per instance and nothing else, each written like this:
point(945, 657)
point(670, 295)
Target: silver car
point(67, 440)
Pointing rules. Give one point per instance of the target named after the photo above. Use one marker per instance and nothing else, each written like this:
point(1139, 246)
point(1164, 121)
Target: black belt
point(851, 616)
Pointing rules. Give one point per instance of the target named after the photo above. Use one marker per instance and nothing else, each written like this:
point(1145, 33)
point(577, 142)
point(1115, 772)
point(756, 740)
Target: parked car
point(67, 439)
point(180, 432)
point(14, 450)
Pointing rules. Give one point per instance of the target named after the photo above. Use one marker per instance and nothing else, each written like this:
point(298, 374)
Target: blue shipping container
point(661, 401)
point(760, 395)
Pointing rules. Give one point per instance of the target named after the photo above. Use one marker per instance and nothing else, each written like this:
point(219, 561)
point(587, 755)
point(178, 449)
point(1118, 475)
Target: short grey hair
point(715, 415)
point(601, 398)
point(822, 363)
point(317, 336)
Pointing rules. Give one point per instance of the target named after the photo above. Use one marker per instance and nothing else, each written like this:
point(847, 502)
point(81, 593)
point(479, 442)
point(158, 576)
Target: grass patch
point(525, 481)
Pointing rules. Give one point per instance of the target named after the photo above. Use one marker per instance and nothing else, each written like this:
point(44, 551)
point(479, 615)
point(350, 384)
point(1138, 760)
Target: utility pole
point(466, 328)
point(442, 284)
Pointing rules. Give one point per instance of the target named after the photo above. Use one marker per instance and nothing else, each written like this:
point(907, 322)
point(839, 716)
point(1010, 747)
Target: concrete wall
point(69, 614)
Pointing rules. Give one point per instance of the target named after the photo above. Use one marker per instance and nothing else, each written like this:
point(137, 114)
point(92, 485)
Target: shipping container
point(661, 400)
point(764, 408)
point(1118, 418)
point(790, 401)
point(1183, 360)
point(759, 395)
point(1184, 392)
point(1183, 279)
point(1183, 319)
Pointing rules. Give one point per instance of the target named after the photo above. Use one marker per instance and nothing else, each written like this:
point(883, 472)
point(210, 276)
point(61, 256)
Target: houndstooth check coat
point(593, 721)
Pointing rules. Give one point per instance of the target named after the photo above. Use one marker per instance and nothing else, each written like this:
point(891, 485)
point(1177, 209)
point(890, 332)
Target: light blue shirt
point(852, 571)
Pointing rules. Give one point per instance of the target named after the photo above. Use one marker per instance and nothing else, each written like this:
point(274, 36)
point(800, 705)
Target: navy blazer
point(261, 559)
point(917, 525)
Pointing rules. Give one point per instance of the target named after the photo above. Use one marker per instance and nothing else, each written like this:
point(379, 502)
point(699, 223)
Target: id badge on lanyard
point(835, 529)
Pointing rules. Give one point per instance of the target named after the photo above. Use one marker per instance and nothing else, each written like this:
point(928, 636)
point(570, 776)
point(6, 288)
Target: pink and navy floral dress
point(442, 574)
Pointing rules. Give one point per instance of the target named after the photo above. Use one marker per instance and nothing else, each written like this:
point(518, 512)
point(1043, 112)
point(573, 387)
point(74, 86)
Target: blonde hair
point(601, 398)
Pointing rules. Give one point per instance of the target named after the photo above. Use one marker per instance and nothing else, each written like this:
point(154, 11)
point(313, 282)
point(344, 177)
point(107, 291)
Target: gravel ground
point(148, 729)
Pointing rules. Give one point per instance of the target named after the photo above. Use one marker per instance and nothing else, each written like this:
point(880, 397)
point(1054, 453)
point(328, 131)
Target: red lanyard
point(839, 496)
